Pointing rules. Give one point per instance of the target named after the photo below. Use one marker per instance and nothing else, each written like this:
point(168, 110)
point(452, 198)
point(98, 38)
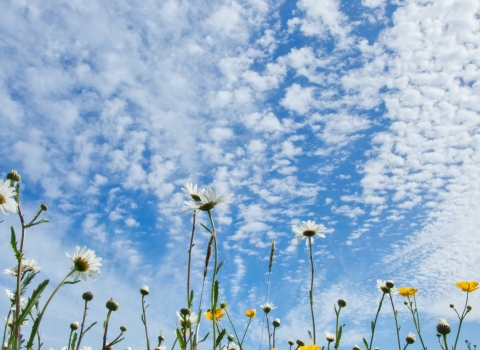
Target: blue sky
point(360, 115)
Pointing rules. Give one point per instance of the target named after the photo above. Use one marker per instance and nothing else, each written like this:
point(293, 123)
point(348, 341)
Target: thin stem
point(52, 295)
point(311, 290)
point(273, 337)
point(337, 338)
point(145, 321)
point(416, 319)
point(6, 325)
point(190, 259)
point(234, 330)
point(83, 325)
point(396, 322)
point(214, 277)
point(269, 335)
point(17, 326)
point(244, 334)
point(375, 322)
point(104, 346)
point(464, 313)
point(70, 340)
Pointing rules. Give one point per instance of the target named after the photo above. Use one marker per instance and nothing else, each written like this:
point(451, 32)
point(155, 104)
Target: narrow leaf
point(206, 228)
point(215, 295)
point(180, 339)
point(366, 344)
point(88, 328)
point(74, 341)
point(220, 265)
point(221, 335)
point(13, 243)
point(36, 294)
point(204, 338)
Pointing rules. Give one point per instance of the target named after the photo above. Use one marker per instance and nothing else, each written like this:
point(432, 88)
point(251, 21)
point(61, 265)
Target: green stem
point(190, 259)
point(83, 325)
point(39, 319)
point(396, 322)
point(416, 319)
point(244, 334)
point(104, 347)
point(145, 321)
point(234, 330)
point(269, 335)
point(464, 313)
point(375, 322)
point(445, 341)
point(311, 290)
point(70, 340)
point(17, 326)
point(214, 277)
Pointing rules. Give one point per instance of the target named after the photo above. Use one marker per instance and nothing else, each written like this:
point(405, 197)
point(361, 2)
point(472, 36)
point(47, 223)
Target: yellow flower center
point(207, 206)
point(81, 264)
point(309, 233)
point(2, 200)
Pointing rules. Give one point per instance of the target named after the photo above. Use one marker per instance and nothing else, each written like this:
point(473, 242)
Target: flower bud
point(43, 207)
point(405, 303)
point(13, 176)
point(87, 296)
point(74, 326)
point(112, 305)
point(341, 303)
point(356, 347)
point(144, 290)
point(330, 337)
point(443, 328)
point(276, 323)
point(290, 342)
point(390, 284)
point(300, 342)
point(452, 306)
point(469, 308)
point(123, 329)
point(223, 305)
point(410, 338)
point(185, 311)
point(231, 337)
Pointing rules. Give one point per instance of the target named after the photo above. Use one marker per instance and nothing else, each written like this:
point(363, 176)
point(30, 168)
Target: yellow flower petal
point(218, 314)
point(251, 313)
point(309, 347)
point(407, 291)
point(467, 286)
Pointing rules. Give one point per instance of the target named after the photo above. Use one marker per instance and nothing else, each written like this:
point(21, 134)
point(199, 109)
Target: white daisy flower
point(208, 199)
point(386, 286)
point(187, 321)
point(330, 337)
point(84, 263)
point(11, 296)
point(308, 229)
point(267, 307)
point(192, 191)
point(6, 200)
point(27, 265)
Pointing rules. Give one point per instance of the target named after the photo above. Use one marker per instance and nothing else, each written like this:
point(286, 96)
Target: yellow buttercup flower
point(467, 286)
point(309, 347)
point(251, 313)
point(218, 314)
point(407, 291)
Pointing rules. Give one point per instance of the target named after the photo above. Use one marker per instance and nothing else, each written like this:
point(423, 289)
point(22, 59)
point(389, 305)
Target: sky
point(362, 116)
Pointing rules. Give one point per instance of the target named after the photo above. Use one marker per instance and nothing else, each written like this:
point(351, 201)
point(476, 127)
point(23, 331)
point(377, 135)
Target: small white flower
point(161, 347)
point(382, 286)
point(187, 321)
point(208, 199)
point(267, 307)
point(6, 200)
point(27, 265)
point(330, 337)
point(308, 229)
point(192, 191)
point(84, 263)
